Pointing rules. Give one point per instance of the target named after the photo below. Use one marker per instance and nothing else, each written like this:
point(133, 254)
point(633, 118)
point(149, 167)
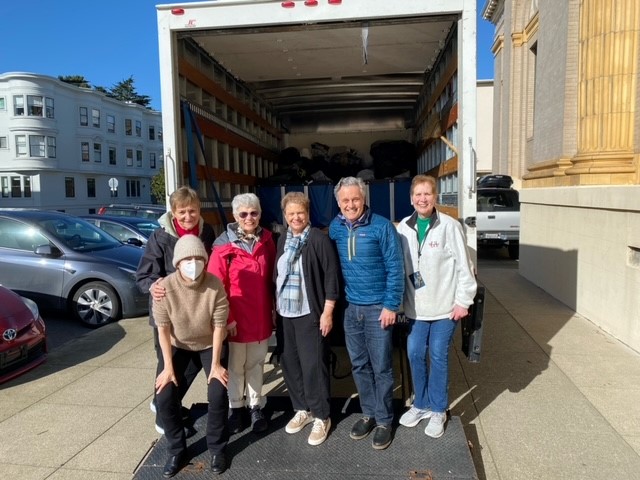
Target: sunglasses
point(253, 214)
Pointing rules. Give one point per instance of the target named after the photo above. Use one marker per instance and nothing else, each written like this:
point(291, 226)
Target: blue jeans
point(370, 349)
point(430, 382)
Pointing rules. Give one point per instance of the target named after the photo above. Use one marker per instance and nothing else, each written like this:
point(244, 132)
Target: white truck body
point(336, 71)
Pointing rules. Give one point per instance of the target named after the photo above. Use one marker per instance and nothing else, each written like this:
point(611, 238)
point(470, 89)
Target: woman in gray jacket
point(439, 289)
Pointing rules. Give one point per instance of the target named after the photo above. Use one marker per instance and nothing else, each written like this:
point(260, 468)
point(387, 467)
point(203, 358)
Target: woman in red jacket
point(243, 258)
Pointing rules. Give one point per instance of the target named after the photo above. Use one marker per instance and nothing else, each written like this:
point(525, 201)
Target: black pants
point(168, 404)
point(190, 373)
point(305, 365)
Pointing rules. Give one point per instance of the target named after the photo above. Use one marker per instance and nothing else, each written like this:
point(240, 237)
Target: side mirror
point(134, 241)
point(48, 251)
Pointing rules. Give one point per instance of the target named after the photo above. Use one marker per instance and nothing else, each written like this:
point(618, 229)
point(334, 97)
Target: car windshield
point(78, 235)
point(498, 200)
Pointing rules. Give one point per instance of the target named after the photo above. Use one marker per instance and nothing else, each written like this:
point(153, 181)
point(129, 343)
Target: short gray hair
point(350, 182)
point(249, 200)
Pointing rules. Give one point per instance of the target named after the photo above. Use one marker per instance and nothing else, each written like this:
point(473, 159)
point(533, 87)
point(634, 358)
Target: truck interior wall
point(357, 140)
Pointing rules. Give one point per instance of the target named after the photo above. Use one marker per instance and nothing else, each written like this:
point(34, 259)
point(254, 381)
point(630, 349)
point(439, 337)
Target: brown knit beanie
point(188, 246)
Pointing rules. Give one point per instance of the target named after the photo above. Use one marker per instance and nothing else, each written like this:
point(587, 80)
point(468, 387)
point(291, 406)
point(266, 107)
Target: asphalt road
point(61, 328)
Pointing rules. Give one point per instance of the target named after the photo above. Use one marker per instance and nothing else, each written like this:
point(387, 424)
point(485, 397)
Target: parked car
point(61, 261)
point(133, 210)
point(498, 219)
point(23, 339)
point(132, 230)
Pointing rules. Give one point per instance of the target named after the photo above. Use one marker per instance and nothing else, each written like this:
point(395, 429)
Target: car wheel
point(514, 251)
point(95, 304)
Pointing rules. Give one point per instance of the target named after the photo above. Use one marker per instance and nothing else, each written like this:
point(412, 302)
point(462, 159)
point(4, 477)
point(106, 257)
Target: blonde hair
point(298, 198)
point(184, 196)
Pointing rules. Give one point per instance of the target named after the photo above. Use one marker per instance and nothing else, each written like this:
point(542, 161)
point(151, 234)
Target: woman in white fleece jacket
point(439, 289)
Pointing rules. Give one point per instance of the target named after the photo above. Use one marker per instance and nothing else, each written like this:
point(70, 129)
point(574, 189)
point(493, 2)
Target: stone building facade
point(567, 127)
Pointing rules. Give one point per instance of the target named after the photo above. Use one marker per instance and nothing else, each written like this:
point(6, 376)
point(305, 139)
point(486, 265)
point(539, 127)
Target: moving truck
point(245, 82)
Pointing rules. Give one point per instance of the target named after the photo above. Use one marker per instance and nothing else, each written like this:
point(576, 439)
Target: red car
point(23, 341)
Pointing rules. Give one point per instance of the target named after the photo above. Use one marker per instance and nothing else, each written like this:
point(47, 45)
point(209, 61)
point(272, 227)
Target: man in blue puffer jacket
point(373, 270)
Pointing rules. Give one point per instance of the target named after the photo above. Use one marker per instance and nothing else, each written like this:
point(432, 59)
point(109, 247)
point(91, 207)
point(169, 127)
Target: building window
point(138, 158)
point(111, 124)
point(69, 187)
point(152, 132)
point(97, 152)
point(5, 186)
point(18, 105)
point(34, 105)
point(138, 128)
point(21, 145)
point(27, 186)
point(84, 148)
point(16, 191)
point(112, 155)
point(84, 116)
point(51, 147)
point(36, 146)
point(160, 134)
point(3, 106)
point(3, 142)
point(49, 110)
point(129, 157)
point(128, 129)
point(152, 160)
point(95, 117)
point(91, 187)
point(133, 188)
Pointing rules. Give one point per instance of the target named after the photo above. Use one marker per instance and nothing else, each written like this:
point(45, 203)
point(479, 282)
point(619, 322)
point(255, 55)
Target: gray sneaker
point(435, 428)
point(412, 417)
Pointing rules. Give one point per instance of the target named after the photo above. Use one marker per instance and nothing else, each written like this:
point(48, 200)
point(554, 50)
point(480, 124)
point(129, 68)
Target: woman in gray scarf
point(307, 288)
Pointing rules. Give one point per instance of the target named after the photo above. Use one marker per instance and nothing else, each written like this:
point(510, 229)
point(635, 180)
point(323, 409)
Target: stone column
point(608, 72)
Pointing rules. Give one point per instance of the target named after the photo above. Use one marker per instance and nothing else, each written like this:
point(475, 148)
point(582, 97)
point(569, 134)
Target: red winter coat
point(248, 281)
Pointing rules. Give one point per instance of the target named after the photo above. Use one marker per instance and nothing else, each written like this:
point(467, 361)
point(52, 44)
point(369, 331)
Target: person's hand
point(157, 290)
point(219, 372)
point(458, 313)
point(166, 377)
point(387, 318)
point(326, 323)
point(232, 331)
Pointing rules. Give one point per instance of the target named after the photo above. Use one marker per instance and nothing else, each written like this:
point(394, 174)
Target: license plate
point(13, 356)
point(491, 235)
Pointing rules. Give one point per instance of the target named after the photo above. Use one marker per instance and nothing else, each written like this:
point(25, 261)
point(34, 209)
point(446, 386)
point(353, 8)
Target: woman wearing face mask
point(156, 263)
point(243, 258)
point(191, 318)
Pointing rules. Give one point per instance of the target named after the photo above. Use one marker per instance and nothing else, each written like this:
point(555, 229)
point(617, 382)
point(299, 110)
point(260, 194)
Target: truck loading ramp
point(278, 455)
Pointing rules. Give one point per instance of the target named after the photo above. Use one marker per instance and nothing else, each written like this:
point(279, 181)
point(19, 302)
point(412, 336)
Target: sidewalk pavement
point(553, 397)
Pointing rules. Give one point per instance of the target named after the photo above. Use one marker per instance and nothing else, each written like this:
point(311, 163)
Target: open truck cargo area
point(267, 93)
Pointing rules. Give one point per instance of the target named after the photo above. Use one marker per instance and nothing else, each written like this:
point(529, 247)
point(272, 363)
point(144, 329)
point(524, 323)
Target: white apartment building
point(64, 147)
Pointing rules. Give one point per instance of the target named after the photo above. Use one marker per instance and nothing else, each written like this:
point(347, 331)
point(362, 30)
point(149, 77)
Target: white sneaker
point(297, 423)
point(319, 431)
point(435, 428)
point(412, 417)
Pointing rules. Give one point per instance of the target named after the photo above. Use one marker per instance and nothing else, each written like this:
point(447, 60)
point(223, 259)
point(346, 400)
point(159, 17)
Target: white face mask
point(191, 269)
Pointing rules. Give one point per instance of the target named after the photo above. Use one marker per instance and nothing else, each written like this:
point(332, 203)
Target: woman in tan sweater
point(191, 320)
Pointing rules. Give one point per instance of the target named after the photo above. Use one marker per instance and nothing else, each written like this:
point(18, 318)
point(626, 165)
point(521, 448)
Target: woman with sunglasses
point(243, 257)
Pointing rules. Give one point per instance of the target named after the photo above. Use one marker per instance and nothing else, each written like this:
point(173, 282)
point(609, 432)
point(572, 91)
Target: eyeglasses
point(253, 214)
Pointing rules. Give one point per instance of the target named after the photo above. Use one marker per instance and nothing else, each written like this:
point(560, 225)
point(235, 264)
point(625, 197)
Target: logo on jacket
point(433, 244)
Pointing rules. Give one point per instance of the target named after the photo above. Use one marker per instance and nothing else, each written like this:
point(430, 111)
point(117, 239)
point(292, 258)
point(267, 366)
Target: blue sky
point(108, 41)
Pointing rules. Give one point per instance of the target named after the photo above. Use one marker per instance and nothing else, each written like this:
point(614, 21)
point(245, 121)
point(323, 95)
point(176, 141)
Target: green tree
point(77, 80)
point(158, 190)
point(126, 92)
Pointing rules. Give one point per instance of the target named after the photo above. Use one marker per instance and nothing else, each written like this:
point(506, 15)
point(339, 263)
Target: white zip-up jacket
point(444, 264)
